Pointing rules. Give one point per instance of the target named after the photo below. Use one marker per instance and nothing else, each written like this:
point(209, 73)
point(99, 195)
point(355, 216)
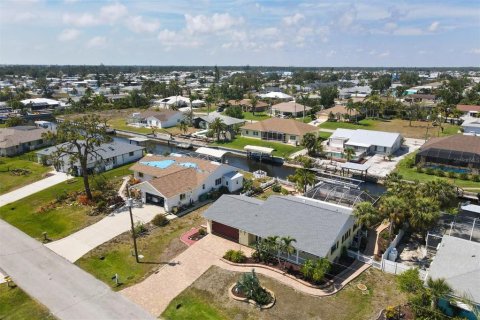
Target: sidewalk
point(78, 244)
point(35, 187)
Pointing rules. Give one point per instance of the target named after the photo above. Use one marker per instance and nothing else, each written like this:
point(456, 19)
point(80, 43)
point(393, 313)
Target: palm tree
point(424, 213)
point(366, 214)
point(304, 100)
point(310, 141)
point(350, 106)
point(275, 245)
point(438, 289)
point(303, 178)
point(394, 209)
point(183, 126)
point(286, 246)
point(253, 103)
point(217, 126)
point(349, 153)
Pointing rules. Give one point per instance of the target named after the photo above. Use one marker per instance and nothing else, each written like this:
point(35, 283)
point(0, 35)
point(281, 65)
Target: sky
point(337, 33)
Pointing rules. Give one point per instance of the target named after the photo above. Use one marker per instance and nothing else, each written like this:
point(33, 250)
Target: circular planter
point(267, 306)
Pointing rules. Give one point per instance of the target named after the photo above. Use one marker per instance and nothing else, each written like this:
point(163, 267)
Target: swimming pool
point(162, 164)
point(448, 169)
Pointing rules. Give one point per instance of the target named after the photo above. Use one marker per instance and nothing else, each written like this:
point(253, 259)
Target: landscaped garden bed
point(248, 289)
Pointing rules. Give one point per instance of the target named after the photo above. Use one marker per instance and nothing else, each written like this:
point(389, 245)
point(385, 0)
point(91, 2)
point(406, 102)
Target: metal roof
point(263, 150)
point(211, 152)
point(367, 137)
point(314, 224)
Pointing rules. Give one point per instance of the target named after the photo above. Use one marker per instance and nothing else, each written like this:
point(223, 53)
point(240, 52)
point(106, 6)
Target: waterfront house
point(21, 139)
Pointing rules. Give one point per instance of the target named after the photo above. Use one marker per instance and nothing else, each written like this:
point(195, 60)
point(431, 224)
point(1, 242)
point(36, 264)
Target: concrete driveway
point(66, 290)
point(79, 243)
point(158, 290)
point(32, 188)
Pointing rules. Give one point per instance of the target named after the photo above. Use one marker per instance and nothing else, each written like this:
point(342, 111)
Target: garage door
point(225, 231)
point(153, 199)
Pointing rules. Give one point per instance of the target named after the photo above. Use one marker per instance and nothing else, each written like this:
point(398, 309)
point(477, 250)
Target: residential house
point(159, 119)
point(469, 110)
point(287, 131)
point(177, 180)
point(106, 157)
point(458, 153)
point(427, 99)
point(37, 104)
point(339, 112)
point(276, 95)
point(173, 102)
point(363, 142)
point(458, 262)
point(204, 121)
point(290, 109)
point(246, 105)
point(320, 229)
point(471, 125)
point(21, 139)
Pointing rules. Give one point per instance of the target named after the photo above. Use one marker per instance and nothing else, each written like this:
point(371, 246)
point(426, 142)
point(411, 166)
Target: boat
point(184, 145)
point(266, 159)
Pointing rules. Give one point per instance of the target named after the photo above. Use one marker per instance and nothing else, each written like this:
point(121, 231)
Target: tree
point(328, 96)
point(286, 245)
point(235, 112)
point(253, 103)
point(442, 191)
point(217, 126)
point(250, 286)
point(424, 213)
point(438, 289)
point(14, 121)
point(312, 143)
point(303, 178)
point(80, 141)
point(409, 281)
point(394, 209)
point(349, 153)
point(183, 126)
point(366, 214)
point(322, 267)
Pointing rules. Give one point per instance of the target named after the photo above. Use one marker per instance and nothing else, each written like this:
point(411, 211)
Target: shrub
point(476, 177)
point(159, 220)
point(284, 191)
point(235, 112)
point(409, 162)
point(236, 256)
point(202, 232)
point(409, 281)
point(101, 205)
point(429, 171)
point(390, 312)
point(419, 169)
point(451, 175)
point(315, 270)
point(439, 173)
point(463, 176)
point(276, 188)
point(140, 228)
point(250, 286)
point(60, 197)
point(82, 199)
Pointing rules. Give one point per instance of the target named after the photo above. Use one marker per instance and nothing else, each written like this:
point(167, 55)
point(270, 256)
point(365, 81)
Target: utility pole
point(129, 205)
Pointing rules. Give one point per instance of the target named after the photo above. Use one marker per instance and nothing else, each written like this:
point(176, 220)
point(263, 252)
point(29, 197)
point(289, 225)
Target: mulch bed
point(406, 313)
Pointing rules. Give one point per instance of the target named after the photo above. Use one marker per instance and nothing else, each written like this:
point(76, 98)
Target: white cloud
point(166, 35)
point(80, 20)
point(268, 32)
point(278, 45)
point(408, 31)
point(475, 51)
point(434, 26)
point(171, 39)
point(68, 35)
point(113, 12)
point(139, 25)
point(293, 20)
point(216, 22)
point(384, 54)
point(97, 42)
point(347, 19)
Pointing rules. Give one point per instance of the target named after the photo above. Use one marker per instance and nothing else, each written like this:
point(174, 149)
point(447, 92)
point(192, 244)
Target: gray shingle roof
point(314, 224)
point(458, 262)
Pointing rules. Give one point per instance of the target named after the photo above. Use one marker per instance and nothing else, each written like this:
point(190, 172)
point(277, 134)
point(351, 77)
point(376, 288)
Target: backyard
point(207, 298)
point(412, 174)
point(158, 246)
point(19, 171)
point(280, 149)
point(16, 304)
point(418, 129)
point(33, 214)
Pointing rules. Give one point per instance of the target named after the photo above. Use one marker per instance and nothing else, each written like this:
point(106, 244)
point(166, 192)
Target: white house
point(41, 103)
point(107, 156)
point(159, 119)
point(178, 180)
point(363, 142)
point(471, 125)
point(173, 101)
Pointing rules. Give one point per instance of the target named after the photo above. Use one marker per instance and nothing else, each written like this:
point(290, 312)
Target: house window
point(246, 131)
point(203, 187)
point(334, 247)
point(226, 183)
point(218, 181)
point(140, 174)
point(293, 138)
point(255, 133)
point(182, 196)
point(130, 154)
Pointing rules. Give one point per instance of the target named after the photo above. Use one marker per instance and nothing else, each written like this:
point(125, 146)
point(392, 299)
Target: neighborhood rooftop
point(16, 135)
point(289, 126)
point(314, 224)
point(367, 137)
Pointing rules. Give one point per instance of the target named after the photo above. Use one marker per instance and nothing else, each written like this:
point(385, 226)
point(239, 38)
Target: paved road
point(79, 243)
point(32, 188)
point(69, 292)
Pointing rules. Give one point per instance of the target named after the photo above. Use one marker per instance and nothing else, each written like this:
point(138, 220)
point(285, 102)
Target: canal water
point(246, 164)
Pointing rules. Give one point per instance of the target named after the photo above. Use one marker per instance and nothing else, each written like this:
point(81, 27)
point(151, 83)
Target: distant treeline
point(39, 71)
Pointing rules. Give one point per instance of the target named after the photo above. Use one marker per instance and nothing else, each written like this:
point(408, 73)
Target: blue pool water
point(163, 164)
point(449, 169)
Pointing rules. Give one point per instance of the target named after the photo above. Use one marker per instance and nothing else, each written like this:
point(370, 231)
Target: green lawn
point(324, 135)
point(412, 174)
point(159, 246)
point(415, 129)
point(120, 124)
point(2, 125)
point(259, 116)
point(10, 181)
point(281, 150)
point(207, 298)
point(60, 221)
point(16, 304)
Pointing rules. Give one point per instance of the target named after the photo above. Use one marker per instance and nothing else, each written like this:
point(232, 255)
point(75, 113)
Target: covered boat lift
point(358, 167)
